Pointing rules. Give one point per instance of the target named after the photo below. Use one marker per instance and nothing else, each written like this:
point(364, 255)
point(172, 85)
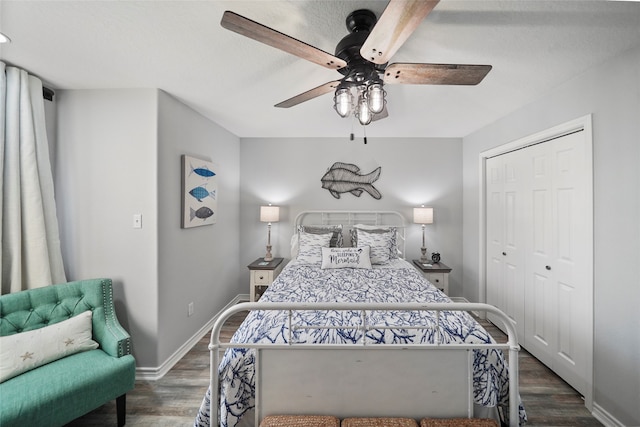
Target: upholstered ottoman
point(300, 421)
point(458, 422)
point(379, 422)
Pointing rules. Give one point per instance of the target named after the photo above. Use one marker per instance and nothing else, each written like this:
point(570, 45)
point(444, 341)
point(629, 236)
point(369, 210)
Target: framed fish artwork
point(199, 192)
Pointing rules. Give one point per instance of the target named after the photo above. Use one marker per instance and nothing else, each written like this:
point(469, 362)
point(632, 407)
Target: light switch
point(137, 220)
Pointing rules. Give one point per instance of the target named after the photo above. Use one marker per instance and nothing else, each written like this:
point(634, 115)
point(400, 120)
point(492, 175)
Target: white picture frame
point(199, 192)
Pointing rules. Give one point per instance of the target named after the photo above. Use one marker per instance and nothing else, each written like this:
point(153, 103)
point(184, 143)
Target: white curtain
point(31, 255)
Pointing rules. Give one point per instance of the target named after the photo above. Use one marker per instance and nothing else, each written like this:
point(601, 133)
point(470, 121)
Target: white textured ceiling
point(180, 47)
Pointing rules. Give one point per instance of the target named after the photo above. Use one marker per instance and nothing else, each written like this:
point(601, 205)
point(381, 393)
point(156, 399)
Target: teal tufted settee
point(60, 391)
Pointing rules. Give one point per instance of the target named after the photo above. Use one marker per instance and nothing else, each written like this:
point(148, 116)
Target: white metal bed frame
point(434, 393)
point(439, 383)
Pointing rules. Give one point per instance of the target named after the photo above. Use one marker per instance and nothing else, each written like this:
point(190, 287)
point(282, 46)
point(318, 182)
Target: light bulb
point(363, 113)
point(375, 96)
point(343, 102)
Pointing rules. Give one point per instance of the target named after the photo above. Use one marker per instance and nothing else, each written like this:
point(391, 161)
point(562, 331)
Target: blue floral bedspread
point(309, 283)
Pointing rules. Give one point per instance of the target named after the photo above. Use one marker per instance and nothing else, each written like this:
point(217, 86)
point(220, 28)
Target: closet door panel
point(540, 326)
point(504, 203)
point(569, 265)
point(566, 338)
point(514, 167)
point(495, 243)
point(540, 295)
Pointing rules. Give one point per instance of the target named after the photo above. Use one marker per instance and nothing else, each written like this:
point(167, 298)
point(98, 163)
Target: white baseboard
point(604, 417)
point(155, 373)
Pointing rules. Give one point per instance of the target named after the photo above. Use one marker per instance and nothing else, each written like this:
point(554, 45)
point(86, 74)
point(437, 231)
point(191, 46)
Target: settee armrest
point(107, 331)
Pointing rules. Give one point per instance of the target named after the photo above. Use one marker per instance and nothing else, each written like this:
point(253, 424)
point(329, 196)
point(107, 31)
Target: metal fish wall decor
point(346, 178)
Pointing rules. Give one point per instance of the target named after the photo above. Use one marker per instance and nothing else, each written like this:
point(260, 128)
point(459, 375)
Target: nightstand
point(435, 272)
point(262, 274)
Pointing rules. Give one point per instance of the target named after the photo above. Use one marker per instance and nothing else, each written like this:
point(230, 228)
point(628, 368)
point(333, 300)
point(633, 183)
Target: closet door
point(557, 291)
point(505, 236)
point(537, 251)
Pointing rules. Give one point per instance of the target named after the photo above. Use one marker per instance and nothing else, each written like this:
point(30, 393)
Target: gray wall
point(106, 171)
point(287, 172)
point(611, 93)
point(199, 264)
point(118, 154)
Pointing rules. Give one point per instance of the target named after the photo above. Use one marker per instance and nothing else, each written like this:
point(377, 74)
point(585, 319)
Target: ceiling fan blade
point(435, 74)
point(381, 115)
point(310, 94)
point(254, 30)
point(397, 22)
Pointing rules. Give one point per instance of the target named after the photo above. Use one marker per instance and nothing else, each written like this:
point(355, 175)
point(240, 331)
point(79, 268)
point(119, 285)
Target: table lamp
point(423, 216)
point(269, 214)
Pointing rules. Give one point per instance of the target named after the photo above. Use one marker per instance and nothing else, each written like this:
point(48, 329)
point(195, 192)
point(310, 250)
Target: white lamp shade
point(269, 213)
point(423, 215)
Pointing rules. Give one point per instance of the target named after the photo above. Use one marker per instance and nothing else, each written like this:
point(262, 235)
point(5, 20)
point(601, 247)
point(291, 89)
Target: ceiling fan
point(362, 58)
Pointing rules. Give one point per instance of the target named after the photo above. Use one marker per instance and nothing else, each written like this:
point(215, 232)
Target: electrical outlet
point(191, 309)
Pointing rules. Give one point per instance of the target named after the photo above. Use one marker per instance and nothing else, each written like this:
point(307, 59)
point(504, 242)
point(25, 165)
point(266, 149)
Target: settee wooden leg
point(121, 409)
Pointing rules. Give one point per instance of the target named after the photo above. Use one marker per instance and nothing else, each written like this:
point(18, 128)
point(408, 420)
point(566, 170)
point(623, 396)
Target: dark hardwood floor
point(171, 401)
point(174, 400)
point(548, 400)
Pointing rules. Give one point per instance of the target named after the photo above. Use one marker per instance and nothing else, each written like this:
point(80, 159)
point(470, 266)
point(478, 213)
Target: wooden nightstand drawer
point(436, 278)
point(262, 277)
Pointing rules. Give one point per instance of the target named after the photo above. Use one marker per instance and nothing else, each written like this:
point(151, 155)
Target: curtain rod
point(47, 93)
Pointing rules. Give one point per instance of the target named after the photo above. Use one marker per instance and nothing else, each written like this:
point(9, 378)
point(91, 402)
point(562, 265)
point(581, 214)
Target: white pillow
point(395, 250)
point(336, 237)
point(380, 244)
point(346, 258)
point(310, 247)
point(27, 350)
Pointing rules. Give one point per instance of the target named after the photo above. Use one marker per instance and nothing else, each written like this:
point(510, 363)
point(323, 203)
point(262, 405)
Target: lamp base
point(424, 259)
point(268, 256)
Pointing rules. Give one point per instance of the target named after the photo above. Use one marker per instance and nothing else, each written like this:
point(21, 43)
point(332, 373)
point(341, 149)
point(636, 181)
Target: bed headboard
point(350, 218)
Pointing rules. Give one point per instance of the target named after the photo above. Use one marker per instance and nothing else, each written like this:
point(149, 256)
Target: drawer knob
point(437, 280)
point(261, 277)
point(504, 253)
point(548, 267)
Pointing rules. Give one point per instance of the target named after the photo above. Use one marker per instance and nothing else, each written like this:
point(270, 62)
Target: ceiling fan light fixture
point(362, 57)
point(363, 113)
point(376, 97)
point(343, 101)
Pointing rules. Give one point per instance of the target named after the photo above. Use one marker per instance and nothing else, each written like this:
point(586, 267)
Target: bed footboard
point(344, 380)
